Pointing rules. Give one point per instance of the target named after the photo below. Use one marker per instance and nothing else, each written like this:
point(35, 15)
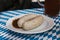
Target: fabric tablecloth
point(6, 34)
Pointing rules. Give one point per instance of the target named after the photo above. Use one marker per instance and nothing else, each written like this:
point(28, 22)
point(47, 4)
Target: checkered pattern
point(6, 34)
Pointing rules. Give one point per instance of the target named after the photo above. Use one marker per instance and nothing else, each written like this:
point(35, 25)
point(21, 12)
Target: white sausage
point(25, 18)
point(29, 25)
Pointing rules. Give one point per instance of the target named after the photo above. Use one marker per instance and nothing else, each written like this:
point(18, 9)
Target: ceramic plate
point(47, 24)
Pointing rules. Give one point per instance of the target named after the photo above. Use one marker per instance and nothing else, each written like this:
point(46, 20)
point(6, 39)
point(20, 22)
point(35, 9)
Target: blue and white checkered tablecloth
point(6, 34)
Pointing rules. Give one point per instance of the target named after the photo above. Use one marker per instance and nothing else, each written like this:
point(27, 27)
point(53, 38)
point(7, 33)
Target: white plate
point(36, 0)
point(45, 26)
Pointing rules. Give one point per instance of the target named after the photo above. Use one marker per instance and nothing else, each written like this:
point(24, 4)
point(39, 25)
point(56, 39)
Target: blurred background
point(18, 4)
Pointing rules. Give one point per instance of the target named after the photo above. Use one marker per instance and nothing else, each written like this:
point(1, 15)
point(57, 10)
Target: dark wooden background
point(17, 4)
